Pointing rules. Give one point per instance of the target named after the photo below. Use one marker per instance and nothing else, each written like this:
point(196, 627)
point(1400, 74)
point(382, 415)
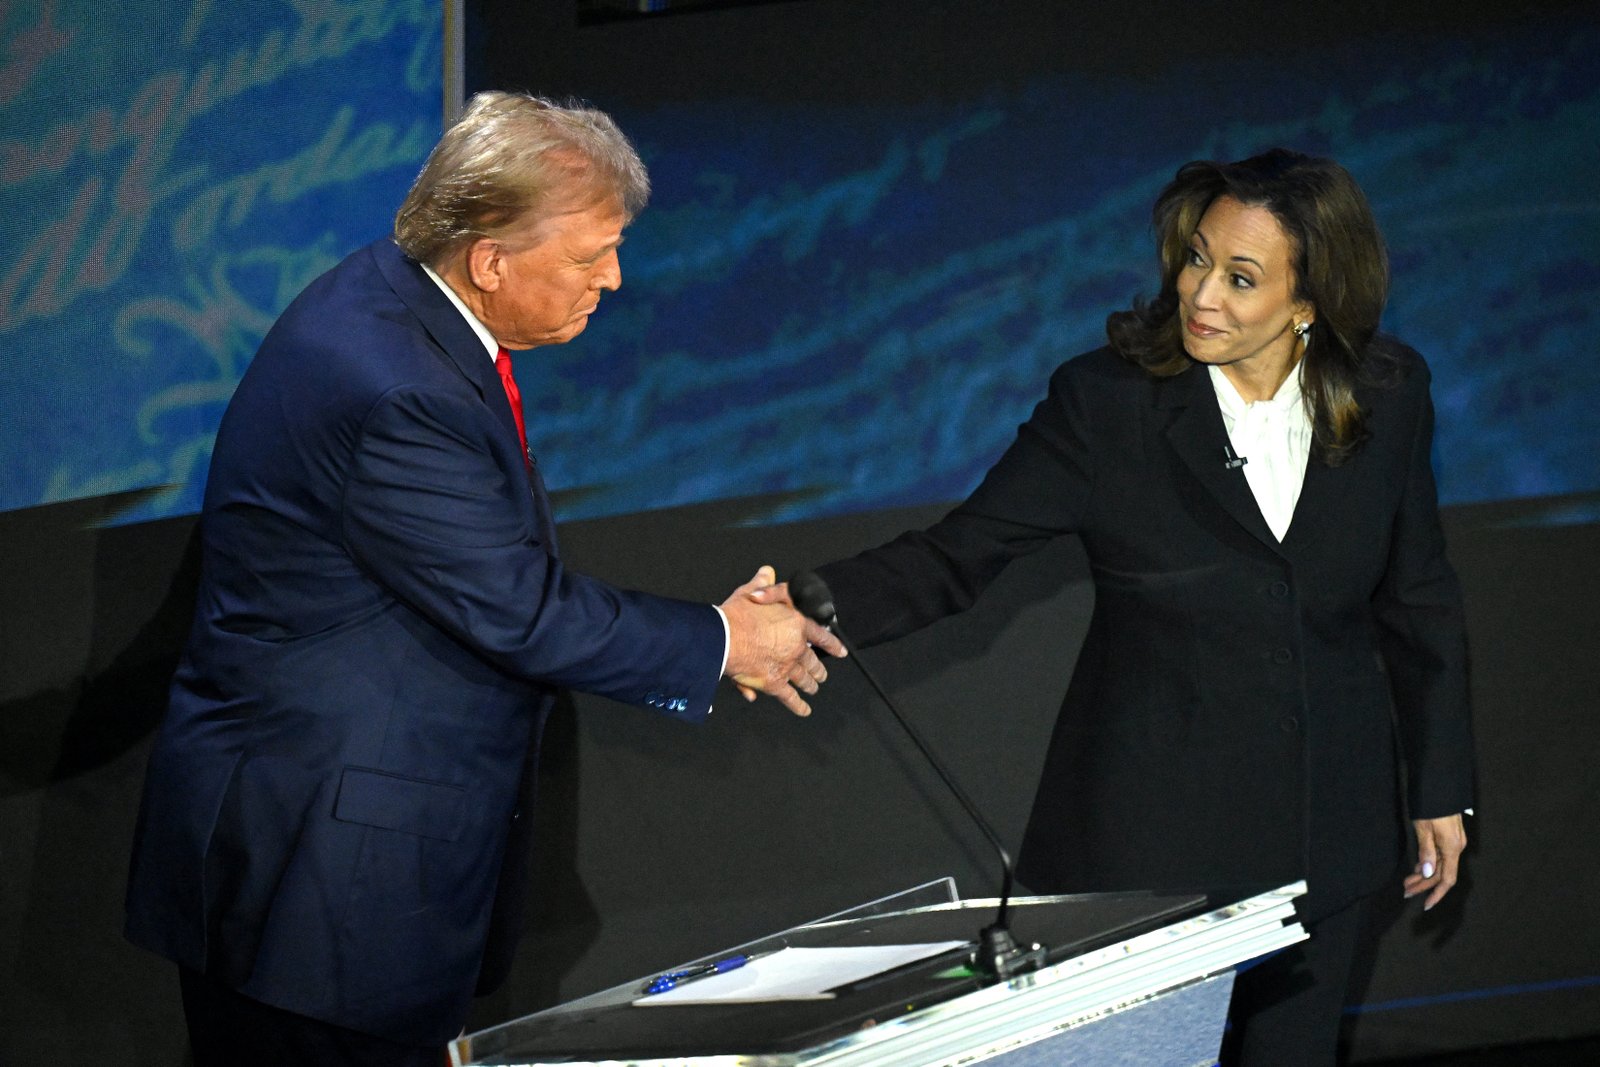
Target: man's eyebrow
point(607, 247)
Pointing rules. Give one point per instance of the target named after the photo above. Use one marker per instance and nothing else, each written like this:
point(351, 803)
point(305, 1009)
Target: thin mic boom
point(999, 954)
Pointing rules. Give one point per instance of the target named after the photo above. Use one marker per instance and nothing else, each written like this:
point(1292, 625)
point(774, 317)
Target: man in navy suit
point(331, 845)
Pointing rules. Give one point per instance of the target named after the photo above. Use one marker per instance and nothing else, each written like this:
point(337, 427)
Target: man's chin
point(556, 337)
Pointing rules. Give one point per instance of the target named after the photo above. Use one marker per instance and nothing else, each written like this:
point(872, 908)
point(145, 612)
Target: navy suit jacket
point(1228, 723)
point(382, 622)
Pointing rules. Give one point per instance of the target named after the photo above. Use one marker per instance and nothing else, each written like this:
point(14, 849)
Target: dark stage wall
point(685, 839)
point(661, 842)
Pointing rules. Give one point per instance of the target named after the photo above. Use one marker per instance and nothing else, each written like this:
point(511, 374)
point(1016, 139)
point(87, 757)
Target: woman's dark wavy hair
point(1339, 264)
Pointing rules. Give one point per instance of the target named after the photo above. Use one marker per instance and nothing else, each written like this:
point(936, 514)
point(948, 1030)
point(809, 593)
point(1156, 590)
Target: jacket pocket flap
point(393, 802)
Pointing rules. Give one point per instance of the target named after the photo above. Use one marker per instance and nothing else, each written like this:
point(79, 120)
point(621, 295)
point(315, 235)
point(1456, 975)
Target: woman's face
point(1236, 290)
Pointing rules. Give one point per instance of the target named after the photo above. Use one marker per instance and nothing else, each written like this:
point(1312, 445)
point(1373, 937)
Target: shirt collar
point(1234, 406)
point(489, 343)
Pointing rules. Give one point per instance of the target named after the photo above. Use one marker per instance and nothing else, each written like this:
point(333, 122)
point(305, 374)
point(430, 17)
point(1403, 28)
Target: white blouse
point(1273, 438)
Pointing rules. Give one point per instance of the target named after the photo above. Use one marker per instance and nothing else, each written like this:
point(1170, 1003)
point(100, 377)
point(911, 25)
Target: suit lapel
point(456, 338)
point(1196, 434)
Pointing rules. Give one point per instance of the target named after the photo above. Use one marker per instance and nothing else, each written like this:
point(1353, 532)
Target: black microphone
point(998, 955)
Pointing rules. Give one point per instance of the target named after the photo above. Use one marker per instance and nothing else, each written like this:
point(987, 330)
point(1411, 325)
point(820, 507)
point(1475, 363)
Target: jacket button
point(1280, 589)
point(1282, 655)
point(1289, 724)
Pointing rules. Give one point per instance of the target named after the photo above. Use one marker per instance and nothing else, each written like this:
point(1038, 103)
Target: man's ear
point(486, 264)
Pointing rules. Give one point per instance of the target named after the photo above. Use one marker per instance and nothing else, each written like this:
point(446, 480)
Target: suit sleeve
point(1040, 488)
point(1422, 634)
point(431, 514)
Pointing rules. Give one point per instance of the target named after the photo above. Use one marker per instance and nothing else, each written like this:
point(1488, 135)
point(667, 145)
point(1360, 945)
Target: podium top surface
point(609, 1027)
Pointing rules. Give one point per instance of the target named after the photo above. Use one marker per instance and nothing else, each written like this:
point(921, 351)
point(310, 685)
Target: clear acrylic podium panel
point(1131, 978)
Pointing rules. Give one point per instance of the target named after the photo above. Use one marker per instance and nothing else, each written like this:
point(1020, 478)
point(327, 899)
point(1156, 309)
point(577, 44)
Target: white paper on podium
point(796, 974)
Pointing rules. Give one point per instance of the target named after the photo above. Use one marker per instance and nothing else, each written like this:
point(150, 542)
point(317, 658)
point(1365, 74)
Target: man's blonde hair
point(511, 160)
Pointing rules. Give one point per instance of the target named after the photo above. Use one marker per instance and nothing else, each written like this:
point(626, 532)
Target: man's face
point(547, 278)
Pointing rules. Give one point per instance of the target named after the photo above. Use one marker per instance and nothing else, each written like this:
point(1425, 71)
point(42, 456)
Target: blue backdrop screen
point(849, 302)
point(174, 173)
point(859, 302)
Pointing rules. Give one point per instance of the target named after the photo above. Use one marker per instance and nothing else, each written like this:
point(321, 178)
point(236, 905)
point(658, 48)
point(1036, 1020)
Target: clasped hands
point(772, 648)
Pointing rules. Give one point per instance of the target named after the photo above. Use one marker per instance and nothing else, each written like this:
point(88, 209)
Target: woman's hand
point(1440, 843)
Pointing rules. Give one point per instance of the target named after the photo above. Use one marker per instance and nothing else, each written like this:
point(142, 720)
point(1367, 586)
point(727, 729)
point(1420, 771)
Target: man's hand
point(1440, 843)
point(769, 648)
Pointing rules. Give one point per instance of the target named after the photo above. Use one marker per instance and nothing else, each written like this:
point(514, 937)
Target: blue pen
point(672, 979)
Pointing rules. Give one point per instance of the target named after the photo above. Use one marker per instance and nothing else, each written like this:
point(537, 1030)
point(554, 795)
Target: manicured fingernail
point(1427, 870)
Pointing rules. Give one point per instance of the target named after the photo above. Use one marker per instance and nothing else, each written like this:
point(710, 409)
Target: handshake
point(772, 648)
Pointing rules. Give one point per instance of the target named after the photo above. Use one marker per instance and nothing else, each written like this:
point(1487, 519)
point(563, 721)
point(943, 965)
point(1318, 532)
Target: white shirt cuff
point(727, 646)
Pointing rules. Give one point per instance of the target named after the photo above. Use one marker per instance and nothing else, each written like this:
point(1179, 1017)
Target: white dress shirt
point(1273, 437)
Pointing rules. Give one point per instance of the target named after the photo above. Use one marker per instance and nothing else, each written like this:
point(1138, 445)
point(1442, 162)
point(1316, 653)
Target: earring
point(1301, 329)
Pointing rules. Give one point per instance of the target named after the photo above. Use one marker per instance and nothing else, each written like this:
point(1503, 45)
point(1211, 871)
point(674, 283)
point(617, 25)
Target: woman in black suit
point(1247, 464)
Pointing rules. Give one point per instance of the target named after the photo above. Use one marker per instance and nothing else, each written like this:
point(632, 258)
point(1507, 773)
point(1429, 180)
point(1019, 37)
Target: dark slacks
point(1286, 1009)
point(228, 1029)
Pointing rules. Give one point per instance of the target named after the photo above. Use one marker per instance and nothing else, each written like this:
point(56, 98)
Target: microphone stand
point(998, 956)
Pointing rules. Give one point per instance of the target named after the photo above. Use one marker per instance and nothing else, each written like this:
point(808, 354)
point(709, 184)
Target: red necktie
point(502, 363)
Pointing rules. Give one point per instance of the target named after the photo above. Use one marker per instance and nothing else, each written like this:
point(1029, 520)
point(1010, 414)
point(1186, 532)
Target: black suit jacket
point(1228, 722)
point(332, 815)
